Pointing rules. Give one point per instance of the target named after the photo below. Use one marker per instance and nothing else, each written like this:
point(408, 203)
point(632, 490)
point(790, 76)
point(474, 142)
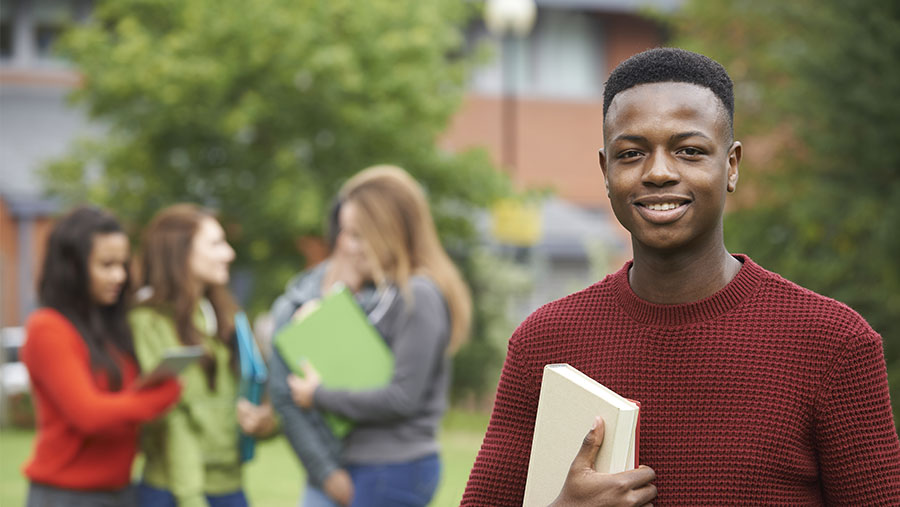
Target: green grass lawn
point(274, 477)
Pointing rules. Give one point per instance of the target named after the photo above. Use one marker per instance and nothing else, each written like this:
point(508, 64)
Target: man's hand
point(339, 487)
point(586, 486)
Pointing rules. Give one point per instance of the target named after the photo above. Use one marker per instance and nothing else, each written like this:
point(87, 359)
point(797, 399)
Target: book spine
point(637, 435)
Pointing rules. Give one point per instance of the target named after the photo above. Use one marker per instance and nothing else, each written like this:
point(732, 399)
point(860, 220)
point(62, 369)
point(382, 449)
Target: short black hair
point(661, 65)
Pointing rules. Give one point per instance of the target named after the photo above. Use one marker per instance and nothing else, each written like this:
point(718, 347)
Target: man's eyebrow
point(630, 137)
point(685, 135)
point(675, 137)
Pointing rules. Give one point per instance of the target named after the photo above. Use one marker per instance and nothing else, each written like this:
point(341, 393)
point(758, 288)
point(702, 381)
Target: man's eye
point(629, 154)
point(691, 152)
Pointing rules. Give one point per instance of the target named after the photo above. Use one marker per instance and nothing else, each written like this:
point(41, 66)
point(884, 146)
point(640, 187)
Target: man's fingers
point(643, 495)
point(646, 473)
point(640, 483)
point(590, 446)
point(647, 494)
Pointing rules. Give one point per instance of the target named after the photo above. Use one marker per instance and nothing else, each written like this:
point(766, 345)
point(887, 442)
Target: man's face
point(668, 162)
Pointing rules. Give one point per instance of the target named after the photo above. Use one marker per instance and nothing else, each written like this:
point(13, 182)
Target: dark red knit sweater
point(764, 393)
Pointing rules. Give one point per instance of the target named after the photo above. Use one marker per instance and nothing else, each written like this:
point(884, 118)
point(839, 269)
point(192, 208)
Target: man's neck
point(681, 278)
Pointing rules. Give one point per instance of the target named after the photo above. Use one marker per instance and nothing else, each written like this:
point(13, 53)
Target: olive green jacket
point(193, 450)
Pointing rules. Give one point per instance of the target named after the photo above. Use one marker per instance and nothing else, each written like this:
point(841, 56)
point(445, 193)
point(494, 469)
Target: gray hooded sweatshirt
point(393, 424)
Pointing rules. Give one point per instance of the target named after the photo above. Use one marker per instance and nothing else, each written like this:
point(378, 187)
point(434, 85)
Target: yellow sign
point(516, 223)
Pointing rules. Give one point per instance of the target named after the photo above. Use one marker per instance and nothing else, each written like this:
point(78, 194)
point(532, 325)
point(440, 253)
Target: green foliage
point(262, 109)
point(827, 71)
point(494, 281)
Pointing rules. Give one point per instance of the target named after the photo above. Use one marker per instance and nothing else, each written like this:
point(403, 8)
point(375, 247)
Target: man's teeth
point(662, 207)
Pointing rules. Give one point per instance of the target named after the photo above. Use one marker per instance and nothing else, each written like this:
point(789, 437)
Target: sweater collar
point(743, 285)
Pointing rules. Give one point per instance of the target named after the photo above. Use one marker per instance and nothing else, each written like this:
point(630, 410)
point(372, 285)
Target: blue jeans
point(148, 496)
point(315, 497)
point(410, 484)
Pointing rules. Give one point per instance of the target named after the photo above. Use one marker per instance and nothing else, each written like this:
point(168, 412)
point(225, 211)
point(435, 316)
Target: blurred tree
point(262, 109)
point(497, 281)
point(816, 86)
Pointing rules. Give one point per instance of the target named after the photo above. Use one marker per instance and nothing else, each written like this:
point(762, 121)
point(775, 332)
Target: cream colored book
point(568, 403)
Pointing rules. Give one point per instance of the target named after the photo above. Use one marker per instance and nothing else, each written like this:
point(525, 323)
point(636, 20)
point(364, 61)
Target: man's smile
point(662, 209)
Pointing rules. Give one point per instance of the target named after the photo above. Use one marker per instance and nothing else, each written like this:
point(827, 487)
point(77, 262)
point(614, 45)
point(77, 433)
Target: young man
point(752, 389)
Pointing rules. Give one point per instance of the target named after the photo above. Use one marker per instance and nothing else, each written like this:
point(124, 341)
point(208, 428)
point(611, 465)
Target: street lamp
point(516, 224)
point(505, 16)
point(509, 19)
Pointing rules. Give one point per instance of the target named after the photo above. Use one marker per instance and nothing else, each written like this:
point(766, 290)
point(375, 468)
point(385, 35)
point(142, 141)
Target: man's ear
point(602, 155)
point(734, 161)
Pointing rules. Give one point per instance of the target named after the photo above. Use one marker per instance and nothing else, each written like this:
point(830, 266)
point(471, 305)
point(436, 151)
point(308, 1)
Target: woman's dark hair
point(65, 286)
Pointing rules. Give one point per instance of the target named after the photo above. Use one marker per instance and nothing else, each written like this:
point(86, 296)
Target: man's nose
point(660, 170)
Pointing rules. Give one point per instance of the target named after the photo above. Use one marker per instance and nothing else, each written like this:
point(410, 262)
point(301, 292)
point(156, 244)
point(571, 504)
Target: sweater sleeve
point(419, 345)
point(58, 360)
point(184, 463)
point(498, 475)
point(859, 453)
point(305, 430)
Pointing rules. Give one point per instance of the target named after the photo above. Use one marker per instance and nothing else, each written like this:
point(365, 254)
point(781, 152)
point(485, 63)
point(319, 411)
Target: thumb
point(590, 446)
point(309, 371)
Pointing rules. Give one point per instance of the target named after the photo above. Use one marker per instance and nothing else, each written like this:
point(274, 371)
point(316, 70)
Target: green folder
point(342, 345)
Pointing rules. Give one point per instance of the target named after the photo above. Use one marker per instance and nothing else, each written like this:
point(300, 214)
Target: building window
point(562, 58)
point(6, 27)
point(50, 19)
point(30, 28)
point(5, 39)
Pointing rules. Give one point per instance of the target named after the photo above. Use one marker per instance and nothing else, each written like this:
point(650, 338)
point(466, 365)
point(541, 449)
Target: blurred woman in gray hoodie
point(387, 251)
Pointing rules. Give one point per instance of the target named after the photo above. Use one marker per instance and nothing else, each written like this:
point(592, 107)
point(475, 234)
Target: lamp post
point(509, 19)
point(516, 224)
